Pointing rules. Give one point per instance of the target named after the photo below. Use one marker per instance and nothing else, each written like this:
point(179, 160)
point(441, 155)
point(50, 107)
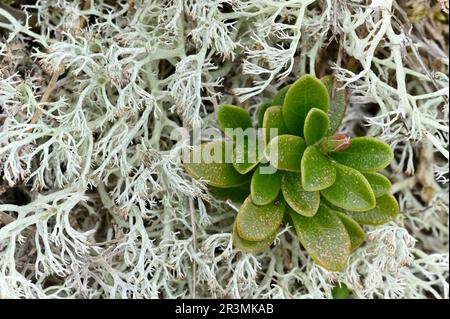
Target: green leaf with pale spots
point(273, 119)
point(256, 223)
point(318, 171)
point(301, 201)
point(212, 166)
point(338, 104)
point(386, 209)
point(351, 190)
point(285, 152)
point(235, 194)
point(264, 188)
point(354, 230)
point(380, 184)
point(366, 154)
point(247, 154)
point(262, 110)
point(306, 93)
point(231, 116)
point(251, 246)
point(316, 126)
point(324, 237)
point(280, 96)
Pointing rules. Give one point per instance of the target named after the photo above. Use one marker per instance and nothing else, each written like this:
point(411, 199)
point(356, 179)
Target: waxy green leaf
point(262, 110)
point(264, 187)
point(306, 93)
point(351, 190)
point(301, 201)
point(256, 223)
point(235, 194)
point(280, 96)
point(273, 119)
point(318, 171)
point(324, 237)
point(247, 154)
point(251, 246)
point(316, 126)
point(338, 104)
point(354, 230)
point(386, 209)
point(380, 184)
point(231, 116)
point(213, 167)
point(285, 152)
point(366, 154)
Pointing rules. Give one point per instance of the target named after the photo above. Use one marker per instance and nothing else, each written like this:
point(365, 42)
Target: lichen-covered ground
point(94, 202)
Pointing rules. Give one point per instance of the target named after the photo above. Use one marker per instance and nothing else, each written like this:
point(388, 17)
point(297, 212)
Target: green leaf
point(338, 104)
point(316, 126)
point(340, 291)
point(355, 231)
point(212, 165)
point(380, 184)
point(247, 153)
point(386, 209)
point(251, 246)
point(351, 190)
point(366, 154)
point(264, 188)
point(306, 93)
point(230, 116)
point(324, 237)
point(273, 119)
point(280, 96)
point(262, 110)
point(256, 223)
point(235, 194)
point(317, 170)
point(302, 202)
point(285, 152)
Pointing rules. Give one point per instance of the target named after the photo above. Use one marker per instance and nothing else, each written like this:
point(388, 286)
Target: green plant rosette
point(325, 185)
